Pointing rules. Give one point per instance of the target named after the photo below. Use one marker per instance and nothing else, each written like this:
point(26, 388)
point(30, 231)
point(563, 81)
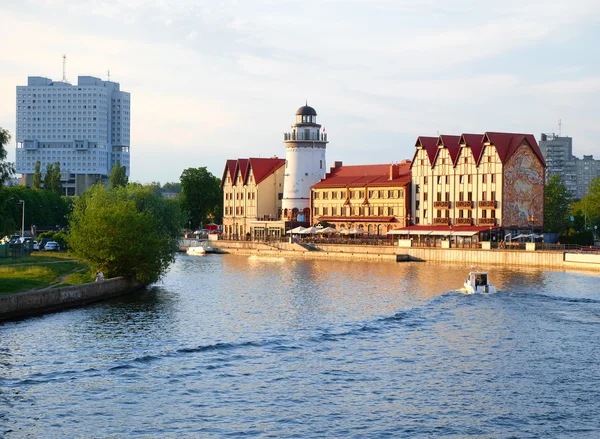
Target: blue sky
point(214, 80)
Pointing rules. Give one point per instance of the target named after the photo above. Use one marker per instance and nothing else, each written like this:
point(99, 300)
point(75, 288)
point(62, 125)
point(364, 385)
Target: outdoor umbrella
point(298, 229)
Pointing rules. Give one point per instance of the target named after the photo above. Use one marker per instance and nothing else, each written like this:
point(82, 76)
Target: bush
point(125, 231)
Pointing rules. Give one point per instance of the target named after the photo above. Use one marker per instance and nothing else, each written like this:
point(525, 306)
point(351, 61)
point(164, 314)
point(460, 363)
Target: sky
point(217, 80)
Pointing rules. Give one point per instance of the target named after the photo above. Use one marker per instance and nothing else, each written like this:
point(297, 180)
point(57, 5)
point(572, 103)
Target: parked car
point(52, 246)
point(43, 242)
point(14, 240)
point(36, 246)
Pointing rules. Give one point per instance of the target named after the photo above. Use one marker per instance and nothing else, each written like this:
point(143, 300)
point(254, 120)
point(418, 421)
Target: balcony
point(487, 221)
point(464, 204)
point(464, 221)
point(301, 136)
point(487, 204)
point(441, 204)
point(442, 221)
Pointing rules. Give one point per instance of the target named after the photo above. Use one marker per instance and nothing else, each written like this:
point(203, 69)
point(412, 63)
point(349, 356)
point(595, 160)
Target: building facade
point(491, 181)
point(305, 163)
point(373, 199)
point(84, 127)
point(252, 197)
point(576, 173)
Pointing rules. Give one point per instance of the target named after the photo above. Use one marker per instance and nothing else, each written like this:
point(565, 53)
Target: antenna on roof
point(559, 126)
point(64, 78)
point(108, 75)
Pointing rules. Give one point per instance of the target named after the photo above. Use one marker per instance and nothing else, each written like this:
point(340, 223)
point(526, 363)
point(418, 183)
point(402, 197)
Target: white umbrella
point(298, 229)
point(328, 230)
point(397, 232)
point(309, 231)
point(354, 231)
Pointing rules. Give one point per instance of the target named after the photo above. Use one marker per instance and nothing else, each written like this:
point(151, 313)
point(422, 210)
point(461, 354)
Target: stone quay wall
point(54, 299)
point(555, 260)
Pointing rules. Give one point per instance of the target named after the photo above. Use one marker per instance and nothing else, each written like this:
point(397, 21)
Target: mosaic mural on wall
point(523, 192)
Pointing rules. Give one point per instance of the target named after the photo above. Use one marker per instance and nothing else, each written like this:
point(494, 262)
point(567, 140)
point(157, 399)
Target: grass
point(41, 274)
point(37, 258)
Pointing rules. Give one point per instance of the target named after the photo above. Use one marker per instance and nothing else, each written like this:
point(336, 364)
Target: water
point(230, 346)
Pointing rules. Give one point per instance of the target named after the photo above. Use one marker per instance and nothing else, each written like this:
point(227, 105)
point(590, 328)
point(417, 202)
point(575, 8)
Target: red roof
point(229, 170)
point(242, 168)
point(451, 143)
point(365, 175)
point(262, 168)
point(430, 145)
point(475, 142)
point(507, 143)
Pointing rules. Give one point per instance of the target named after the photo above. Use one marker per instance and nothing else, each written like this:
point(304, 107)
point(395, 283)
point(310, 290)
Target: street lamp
point(22, 218)
point(408, 218)
point(532, 221)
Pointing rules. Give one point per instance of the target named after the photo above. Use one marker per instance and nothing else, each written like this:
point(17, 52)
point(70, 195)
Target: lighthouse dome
point(306, 111)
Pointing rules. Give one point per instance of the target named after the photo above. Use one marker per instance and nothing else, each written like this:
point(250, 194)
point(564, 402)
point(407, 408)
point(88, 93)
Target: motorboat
point(478, 282)
point(196, 249)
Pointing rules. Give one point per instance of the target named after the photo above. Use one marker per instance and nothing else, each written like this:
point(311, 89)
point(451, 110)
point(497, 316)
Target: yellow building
point(481, 181)
point(252, 193)
point(371, 198)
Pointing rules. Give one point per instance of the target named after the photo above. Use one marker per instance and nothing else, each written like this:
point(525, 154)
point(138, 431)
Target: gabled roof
point(429, 144)
point(451, 144)
point(507, 143)
point(242, 168)
point(262, 168)
point(475, 142)
point(365, 175)
point(229, 170)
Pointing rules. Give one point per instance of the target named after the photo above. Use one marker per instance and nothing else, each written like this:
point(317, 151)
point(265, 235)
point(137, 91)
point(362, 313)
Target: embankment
point(54, 299)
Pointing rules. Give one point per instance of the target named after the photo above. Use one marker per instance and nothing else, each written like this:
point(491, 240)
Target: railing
point(322, 137)
point(487, 221)
point(444, 221)
point(441, 204)
point(489, 204)
point(464, 204)
point(464, 221)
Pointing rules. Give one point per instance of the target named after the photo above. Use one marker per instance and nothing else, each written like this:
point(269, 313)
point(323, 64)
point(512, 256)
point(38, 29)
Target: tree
point(37, 176)
point(55, 183)
point(592, 202)
point(7, 169)
point(48, 177)
point(201, 195)
point(118, 176)
point(557, 205)
point(125, 231)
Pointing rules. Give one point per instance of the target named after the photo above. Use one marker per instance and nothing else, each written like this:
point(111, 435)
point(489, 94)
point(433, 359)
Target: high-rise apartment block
point(576, 173)
point(84, 127)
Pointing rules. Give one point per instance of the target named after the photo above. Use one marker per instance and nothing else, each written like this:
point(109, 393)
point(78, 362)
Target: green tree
point(48, 177)
point(171, 187)
point(55, 183)
point(125, 231)
point(201, 196)
point(118, 176)
point(592, 203)
point(7, 169)
point(37, 176)
point(557, 205)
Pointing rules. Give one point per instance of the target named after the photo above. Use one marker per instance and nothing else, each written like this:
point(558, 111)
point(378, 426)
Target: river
point(232, 346)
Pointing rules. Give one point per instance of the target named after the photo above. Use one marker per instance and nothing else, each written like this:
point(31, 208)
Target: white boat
point(478, 282)
point(196, 249)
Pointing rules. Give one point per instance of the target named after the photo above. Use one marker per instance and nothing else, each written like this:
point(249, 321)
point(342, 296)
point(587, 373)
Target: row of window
point(446, 179)
point(462, 160)
point(335, 195)
point(467, 213)
point(240, 196)
point(356, 211)
point(461, 196)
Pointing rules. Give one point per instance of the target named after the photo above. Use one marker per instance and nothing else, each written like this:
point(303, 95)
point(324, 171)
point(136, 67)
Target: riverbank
point(555, 260)
point(54, 299)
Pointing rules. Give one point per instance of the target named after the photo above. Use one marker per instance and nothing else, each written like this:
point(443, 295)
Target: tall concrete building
point(576, 173)
point(84, 127)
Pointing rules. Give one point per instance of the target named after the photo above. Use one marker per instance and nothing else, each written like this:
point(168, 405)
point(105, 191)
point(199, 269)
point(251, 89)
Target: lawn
point(37, 258)
point(40, 271)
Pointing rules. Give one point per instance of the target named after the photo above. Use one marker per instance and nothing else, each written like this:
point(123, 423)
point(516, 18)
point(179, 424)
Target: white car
point(36, 246)
point(52, 246)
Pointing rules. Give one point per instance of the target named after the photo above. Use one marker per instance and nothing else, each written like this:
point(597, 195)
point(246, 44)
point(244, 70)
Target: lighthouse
point(304, 163)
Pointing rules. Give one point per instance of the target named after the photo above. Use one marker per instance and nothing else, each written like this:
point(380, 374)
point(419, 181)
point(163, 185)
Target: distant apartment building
point(476, 182)
point(576, 173)
point(373, 199)
point(252, 197)
point(84, 127)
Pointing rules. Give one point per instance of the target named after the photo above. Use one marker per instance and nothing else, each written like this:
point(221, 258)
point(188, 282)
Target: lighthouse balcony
point(309, 137)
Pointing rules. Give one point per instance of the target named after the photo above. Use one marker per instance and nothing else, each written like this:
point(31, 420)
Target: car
point(43, 242)
point(14, 240)
point(36, 246)
point(52, 246)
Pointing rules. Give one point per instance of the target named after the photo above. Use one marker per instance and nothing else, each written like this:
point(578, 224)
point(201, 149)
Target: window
point(417, 187)
point(470, 196)
point(321, 164)
point(483, 197)
point(461, 213)
point(493, 178)
point(316, 195)
point(493, 213)
point(439, 213)
point(483, 178)
point(462, 179)
point(439, 179)
point(493, 198)
point(425, 213)
point(489, 159)
point(461, 196)
point(325, 195)
point(447, 196)
point(439, 196)
point(469, 214)
point(469, 179)
point(425, 196)
point(325, 211)
point(417, 204)
point(447, 179)
point(390, 194)
point(334, 210)
point(425, 180)
point(484, 213)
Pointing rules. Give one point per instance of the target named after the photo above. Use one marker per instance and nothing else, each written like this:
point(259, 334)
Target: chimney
point(394, 171)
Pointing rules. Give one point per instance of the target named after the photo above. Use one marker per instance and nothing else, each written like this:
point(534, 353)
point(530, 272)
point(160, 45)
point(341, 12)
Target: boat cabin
point(477, 278)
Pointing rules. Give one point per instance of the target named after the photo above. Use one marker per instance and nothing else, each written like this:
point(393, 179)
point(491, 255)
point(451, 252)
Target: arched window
point(370, 229)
